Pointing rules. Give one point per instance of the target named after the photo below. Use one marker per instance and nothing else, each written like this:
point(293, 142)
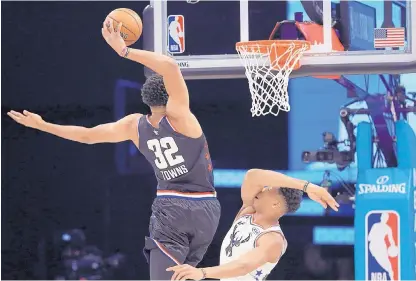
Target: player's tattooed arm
point(159, 63)
point(257, 179)
point(122, 130)
point(178, 102)
point(269, 249)
point(177, 108)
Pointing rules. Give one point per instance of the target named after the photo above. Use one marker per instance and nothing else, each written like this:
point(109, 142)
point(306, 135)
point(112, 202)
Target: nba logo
point(382, 243)
point(176, 34)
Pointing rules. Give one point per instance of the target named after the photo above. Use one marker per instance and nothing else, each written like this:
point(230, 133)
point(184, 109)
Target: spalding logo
point(381, 186)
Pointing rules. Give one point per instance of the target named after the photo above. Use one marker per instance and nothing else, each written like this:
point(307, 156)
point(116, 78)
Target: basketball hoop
point(268, 64)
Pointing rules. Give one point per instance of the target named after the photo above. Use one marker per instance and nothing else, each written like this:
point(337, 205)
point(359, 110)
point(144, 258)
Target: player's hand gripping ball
point(132, 25)
point(121, 28)
point(393, 251)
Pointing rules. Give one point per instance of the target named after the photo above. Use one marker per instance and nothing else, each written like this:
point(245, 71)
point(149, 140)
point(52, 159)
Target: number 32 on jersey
point(165, 151)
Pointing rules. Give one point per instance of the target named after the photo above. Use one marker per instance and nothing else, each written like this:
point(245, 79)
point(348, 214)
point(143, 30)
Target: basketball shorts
point(182, 228)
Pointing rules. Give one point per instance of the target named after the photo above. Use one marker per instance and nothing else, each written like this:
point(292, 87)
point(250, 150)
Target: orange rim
point(279, 57)
point(280, 43)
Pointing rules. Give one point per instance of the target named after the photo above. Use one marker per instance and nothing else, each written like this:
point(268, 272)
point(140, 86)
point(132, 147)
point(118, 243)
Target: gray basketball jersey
point(180, 163)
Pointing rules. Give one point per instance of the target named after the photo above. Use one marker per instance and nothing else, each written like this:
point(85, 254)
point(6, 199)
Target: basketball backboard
point(201, 35)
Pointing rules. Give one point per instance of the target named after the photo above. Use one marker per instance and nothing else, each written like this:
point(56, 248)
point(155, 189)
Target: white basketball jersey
point(242, 238)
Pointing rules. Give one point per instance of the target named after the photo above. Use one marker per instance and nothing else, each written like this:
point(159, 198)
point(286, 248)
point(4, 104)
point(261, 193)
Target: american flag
point(389, 37)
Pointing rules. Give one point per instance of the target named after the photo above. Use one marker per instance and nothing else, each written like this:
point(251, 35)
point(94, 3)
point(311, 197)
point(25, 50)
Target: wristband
point(125, 52)
point(204, 274)
point(305, 187)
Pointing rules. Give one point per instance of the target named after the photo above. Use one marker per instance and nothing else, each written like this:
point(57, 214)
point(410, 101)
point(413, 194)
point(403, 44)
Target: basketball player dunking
point(255, 242)
point(185, 213)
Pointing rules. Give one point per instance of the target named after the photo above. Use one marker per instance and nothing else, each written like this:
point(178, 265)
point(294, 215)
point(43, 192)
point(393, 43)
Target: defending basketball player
point(255, 242)
point(186, 212)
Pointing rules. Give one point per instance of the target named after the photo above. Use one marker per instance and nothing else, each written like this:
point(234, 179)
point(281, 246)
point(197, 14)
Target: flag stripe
point(389, 37)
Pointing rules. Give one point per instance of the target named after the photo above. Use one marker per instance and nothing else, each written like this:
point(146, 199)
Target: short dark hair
point(154, 91)
point(293, 197)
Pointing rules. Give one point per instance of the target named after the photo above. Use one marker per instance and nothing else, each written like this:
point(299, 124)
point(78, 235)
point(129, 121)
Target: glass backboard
point(201, 35)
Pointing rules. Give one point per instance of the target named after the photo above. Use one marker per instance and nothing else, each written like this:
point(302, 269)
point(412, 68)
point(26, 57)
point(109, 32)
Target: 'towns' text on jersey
point(180, 163)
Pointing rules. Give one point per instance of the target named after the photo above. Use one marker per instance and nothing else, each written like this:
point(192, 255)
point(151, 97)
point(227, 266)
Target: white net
point(268, 65)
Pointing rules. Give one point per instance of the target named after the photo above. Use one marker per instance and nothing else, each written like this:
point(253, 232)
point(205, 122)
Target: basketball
point(132, 24)
point(393, 251)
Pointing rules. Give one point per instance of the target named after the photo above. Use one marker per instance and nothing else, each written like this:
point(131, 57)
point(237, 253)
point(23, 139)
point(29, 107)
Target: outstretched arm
point(269, 249)
point(256, 180)
point(119, 131)
point(178, 103)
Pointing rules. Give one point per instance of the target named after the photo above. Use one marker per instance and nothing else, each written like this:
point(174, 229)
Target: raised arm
point(269, 249)
point(257, 179)
point(178, 102)
point(122, 130)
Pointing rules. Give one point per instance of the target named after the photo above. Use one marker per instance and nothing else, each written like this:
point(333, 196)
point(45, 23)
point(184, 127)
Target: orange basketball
point(132, 24)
